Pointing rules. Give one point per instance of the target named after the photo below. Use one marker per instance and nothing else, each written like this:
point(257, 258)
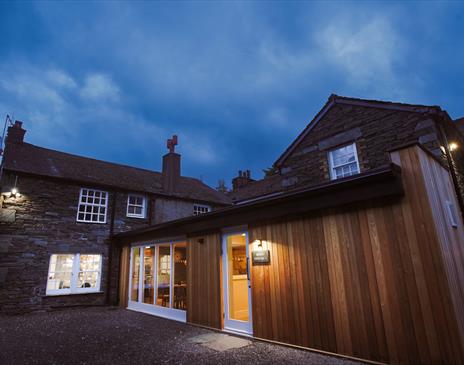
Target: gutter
point(381, 182)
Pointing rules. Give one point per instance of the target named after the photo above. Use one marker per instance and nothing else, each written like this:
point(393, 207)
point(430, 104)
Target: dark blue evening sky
point(237, 81)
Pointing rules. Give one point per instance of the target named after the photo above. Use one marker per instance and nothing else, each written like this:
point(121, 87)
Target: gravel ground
point(118, 336)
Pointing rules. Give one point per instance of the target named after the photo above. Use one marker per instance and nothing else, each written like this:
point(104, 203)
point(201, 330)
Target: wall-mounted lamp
point(453, 146)
point(260, 245)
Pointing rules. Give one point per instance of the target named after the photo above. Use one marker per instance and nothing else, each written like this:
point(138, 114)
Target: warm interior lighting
point(453, 146)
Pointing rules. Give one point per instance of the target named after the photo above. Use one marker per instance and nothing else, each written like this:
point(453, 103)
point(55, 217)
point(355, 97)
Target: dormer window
point(93, 205)
point(201, 209)
point(343, 162)
point(136, 206)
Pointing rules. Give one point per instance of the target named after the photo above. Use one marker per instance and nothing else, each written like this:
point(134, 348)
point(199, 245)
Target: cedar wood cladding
point(373, 280)
point(369, 280)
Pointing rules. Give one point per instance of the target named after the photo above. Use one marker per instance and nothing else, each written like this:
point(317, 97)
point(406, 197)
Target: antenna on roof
point(9, 121)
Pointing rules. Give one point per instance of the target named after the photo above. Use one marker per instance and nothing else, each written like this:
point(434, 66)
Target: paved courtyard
point(118, 336)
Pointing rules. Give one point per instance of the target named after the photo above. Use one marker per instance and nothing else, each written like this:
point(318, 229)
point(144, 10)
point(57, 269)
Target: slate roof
point(27, 158)
point(259, 188)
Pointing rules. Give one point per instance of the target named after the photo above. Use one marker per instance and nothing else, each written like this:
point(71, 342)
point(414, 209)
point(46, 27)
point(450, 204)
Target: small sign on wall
point(261, 257)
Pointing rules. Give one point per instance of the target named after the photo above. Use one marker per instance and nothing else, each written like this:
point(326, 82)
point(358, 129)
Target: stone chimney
point(171, 166)
point(15, 133)
point(243, 178)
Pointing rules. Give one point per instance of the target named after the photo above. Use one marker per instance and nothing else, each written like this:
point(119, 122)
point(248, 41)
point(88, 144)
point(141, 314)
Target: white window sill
point(91, 222)
point(67, 294)
point(135, 216)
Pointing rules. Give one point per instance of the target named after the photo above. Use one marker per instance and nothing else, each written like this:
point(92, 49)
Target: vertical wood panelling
point(124, 276)
point(204, 291)
point(379, 280)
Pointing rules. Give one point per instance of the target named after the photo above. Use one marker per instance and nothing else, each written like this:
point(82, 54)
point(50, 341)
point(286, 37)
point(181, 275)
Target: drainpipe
point(450, 163)
point(110, 249)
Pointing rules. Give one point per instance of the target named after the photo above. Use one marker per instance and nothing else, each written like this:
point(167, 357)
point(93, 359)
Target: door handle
point(248, 268)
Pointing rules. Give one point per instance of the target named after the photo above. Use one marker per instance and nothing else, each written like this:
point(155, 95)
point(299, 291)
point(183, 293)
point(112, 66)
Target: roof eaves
point(384, 180)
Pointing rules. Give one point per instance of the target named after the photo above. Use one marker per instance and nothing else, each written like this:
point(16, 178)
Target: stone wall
point(42, 221)
point(375, 131)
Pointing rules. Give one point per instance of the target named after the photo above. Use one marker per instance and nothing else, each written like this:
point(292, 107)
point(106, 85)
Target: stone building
point(367, 130)
point(59, 211)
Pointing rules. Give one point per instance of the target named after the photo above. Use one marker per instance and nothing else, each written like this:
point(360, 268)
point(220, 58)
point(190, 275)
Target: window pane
point(60, 272)
point(135, 274)
point(164, 275)
point(343, 155)
point(138, 210)
point(180, 276)
point(89, 271)
point(148, 275)
point(237, 277)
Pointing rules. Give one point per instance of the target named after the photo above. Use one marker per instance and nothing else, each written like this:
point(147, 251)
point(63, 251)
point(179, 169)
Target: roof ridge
point(335, 97)
point(93, 159)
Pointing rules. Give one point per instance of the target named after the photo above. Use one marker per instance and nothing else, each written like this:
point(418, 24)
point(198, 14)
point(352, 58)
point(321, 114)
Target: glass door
point(158, 280)
point(237, 288)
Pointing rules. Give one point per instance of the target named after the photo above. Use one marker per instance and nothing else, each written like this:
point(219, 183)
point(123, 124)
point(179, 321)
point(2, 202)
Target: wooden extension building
point(367, 264)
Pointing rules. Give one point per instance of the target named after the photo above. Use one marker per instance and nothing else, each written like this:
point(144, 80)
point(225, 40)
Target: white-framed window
point(136, 206)
point(93, 205)
point(201, 209)
point(343, 161)
point(73, 273)
point(452, 214)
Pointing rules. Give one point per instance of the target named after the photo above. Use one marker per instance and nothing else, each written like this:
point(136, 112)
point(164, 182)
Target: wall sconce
point(260, 245)
point(453, 146)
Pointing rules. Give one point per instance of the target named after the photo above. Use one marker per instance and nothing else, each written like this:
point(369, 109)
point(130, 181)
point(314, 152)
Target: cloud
point(367, 53)
point(61, 79)
point(99, 87)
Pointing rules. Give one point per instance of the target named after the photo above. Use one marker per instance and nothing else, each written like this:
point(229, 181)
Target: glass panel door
point(135, 274)
point(237, 291)
point(164, 276)
point(180, 276)
point(158, 280)
point(148, 275)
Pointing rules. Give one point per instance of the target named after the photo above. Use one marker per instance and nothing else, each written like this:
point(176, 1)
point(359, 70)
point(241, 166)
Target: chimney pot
point(243, 178)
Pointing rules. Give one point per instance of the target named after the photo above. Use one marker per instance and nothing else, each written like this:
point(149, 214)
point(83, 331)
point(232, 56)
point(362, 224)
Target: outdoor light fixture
point(258, 244)
point(14, 192)
point(453, 146)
